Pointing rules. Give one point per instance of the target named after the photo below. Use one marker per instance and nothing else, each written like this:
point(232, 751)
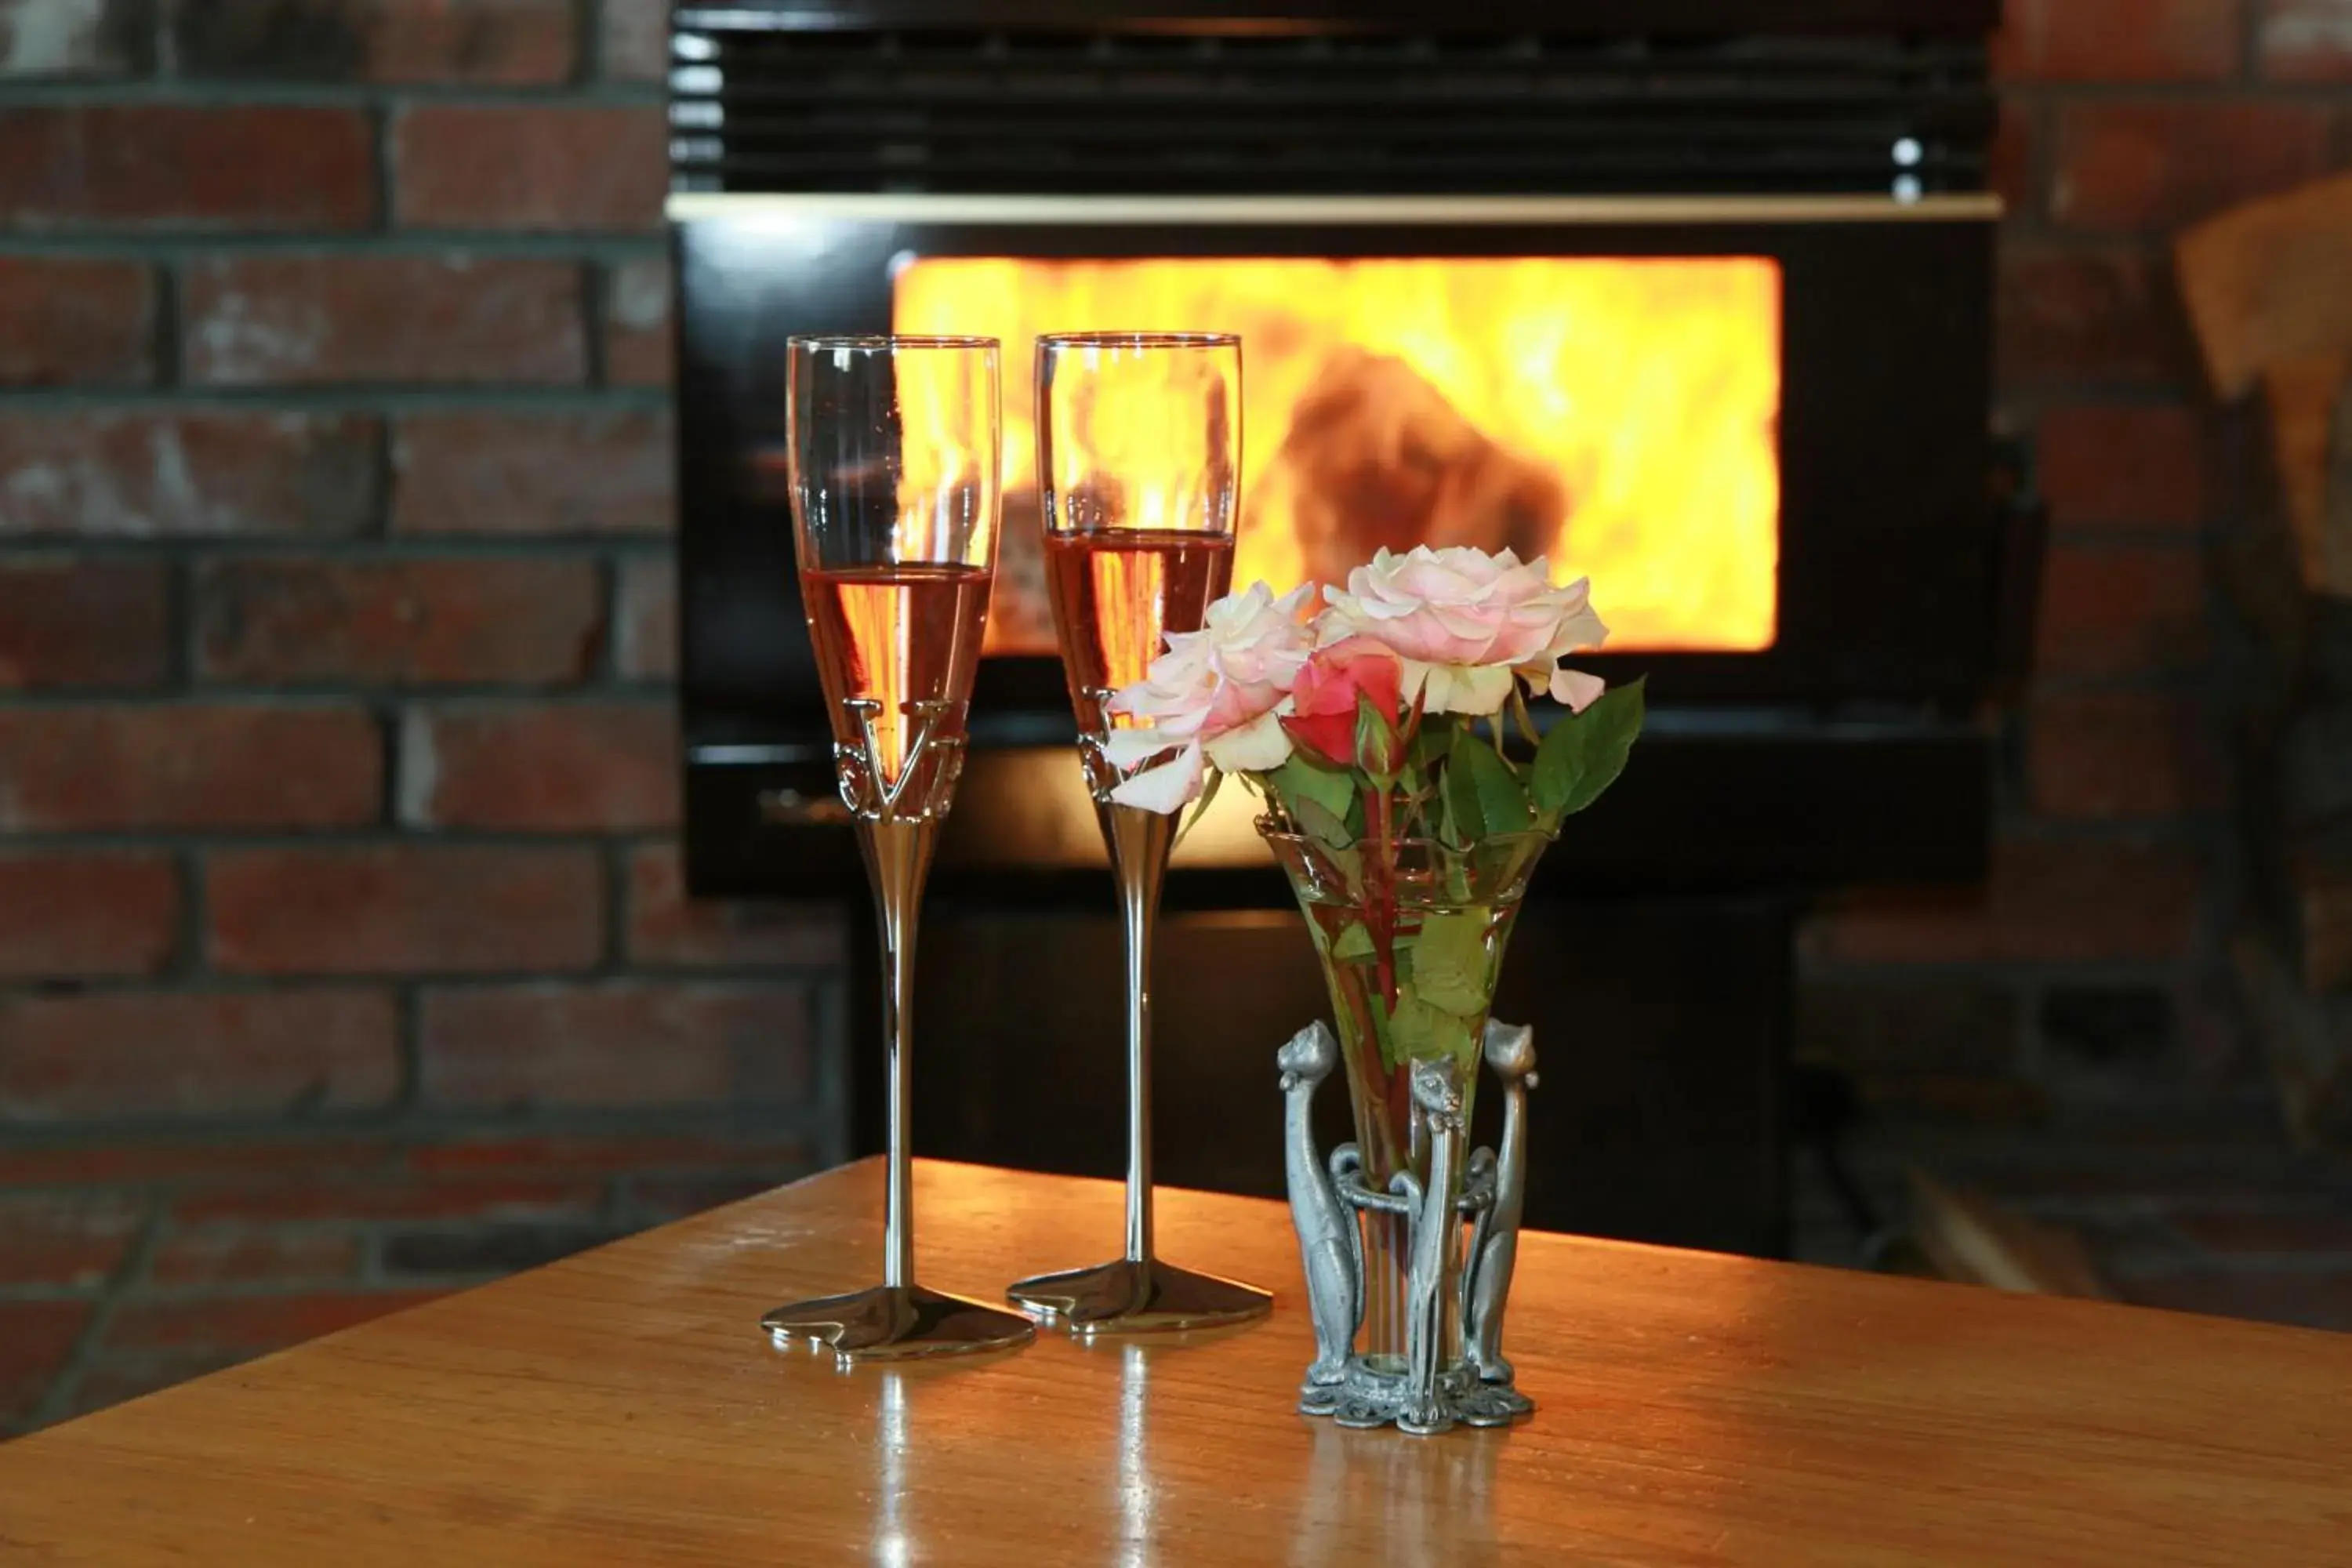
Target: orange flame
point(1616, 414)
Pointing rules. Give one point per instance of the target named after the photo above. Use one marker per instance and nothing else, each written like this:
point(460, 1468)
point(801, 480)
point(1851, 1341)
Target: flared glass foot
point(893, 1322)
point(1132, 1297)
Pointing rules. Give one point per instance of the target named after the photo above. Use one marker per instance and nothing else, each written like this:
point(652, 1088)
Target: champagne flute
point(893, 489)
point(1139, 466)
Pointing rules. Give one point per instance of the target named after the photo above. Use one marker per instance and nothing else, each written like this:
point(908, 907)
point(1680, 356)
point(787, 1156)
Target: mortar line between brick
point(589, 64)
point(235, 92)
point(338, 398)
point(391, 241)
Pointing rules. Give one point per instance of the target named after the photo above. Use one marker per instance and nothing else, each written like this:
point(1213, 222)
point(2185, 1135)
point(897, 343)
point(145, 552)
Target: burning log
point(1376, 455)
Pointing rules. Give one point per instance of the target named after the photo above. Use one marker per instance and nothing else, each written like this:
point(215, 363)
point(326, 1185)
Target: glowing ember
point(1617, 414)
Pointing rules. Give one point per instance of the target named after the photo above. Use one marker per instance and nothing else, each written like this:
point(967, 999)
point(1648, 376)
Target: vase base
point(1365, 1398)
point(894, 1322)
point(1130, 1297)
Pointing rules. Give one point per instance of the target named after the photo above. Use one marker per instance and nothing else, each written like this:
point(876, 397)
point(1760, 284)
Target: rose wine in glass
point(895, 495)
point(1138, 465)
point(1117, 594)
point(904, 640)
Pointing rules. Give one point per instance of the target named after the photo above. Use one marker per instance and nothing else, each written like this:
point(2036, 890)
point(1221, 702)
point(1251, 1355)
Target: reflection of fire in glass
point(1616, 414)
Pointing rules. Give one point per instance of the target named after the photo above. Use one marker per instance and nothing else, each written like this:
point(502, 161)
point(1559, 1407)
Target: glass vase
point(1410, 936)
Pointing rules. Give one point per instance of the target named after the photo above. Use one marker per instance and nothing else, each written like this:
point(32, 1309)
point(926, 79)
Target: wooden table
point(623, 1407)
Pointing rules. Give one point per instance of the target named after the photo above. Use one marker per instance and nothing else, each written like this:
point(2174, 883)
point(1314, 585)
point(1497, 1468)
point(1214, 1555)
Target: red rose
point(1324, 700)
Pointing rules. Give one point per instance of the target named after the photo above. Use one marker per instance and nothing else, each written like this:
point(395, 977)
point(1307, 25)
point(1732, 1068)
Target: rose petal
point(1255, 747)
point(1459, 688)
point(1127, 748)
point(1575, 689)
point(1166, 789)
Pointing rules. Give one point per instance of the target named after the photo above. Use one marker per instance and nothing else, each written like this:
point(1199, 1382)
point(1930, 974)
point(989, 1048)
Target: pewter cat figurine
point(1437, 1095)
point(1494, 1240)
point(1330, 1249)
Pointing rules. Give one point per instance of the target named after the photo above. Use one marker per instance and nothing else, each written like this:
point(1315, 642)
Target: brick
point(399, 622)
point(2303, 40)
point(2116, 40)
point(2125, 466)
point(488, 1252)
point(537, 766)
point(73, 1240)
point(644, 627)
point(395, 909)
point(294, 320)
point(509, 43)
point(530, 166)
point(150, 475)
point(2145, 167)
point(2117, 610)
point(103, 1056)
point(103, 911)
point(237, 1254)
point(504, 1200)
point(250, 1324)
point(634, 1043)
point(1880, 1030)
point(41, 39)
point(147, 167)
point(2120, 755)
point(640, 349)
point(2299, 1233)
point(636, 39)
point(657, 1200)
point(2011, 170)
point(2054, 901)
point(2102, 316)
point(115, 1380)
point(2306, 1297)
point(37, 1339)
point(533, 474)
point(72, 321)
point(667, 928)
point(67, 623)
point(287, 1154)
point(550, 1153)
point(211, 765)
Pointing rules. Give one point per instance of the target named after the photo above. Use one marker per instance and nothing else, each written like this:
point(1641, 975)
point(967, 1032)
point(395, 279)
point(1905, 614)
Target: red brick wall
point(343, 956)
point(2088, 965)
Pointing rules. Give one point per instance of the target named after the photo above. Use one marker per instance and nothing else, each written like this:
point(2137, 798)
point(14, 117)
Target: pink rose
point(1465, 622)
point(1322, 716)
point(1215, 697)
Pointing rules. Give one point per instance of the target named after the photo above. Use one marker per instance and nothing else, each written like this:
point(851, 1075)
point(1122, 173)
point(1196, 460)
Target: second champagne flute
point(1139, 466)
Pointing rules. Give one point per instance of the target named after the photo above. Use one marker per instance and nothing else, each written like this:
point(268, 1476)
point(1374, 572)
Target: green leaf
point(1300, 780)
point(1431, 743)
point(1482, 790)
point(1419, 1032)
point(1449, 965)
point(1319, 823)
point(1200, 806)
point(1585, 752)
point(1354, 942)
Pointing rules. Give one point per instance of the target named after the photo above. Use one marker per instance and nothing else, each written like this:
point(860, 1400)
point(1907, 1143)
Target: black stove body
point(821, 149)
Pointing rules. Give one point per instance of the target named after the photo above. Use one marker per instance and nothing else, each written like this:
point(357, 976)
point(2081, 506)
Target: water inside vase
point(1454, 911)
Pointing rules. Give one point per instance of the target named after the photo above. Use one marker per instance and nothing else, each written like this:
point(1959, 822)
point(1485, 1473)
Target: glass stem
point(1139, 841)
point(898, 860)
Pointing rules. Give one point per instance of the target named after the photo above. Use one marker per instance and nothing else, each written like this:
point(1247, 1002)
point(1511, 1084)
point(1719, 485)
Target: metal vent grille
point(760, 108)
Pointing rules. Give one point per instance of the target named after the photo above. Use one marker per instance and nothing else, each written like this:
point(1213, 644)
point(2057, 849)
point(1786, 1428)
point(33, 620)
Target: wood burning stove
point(1694, 295)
